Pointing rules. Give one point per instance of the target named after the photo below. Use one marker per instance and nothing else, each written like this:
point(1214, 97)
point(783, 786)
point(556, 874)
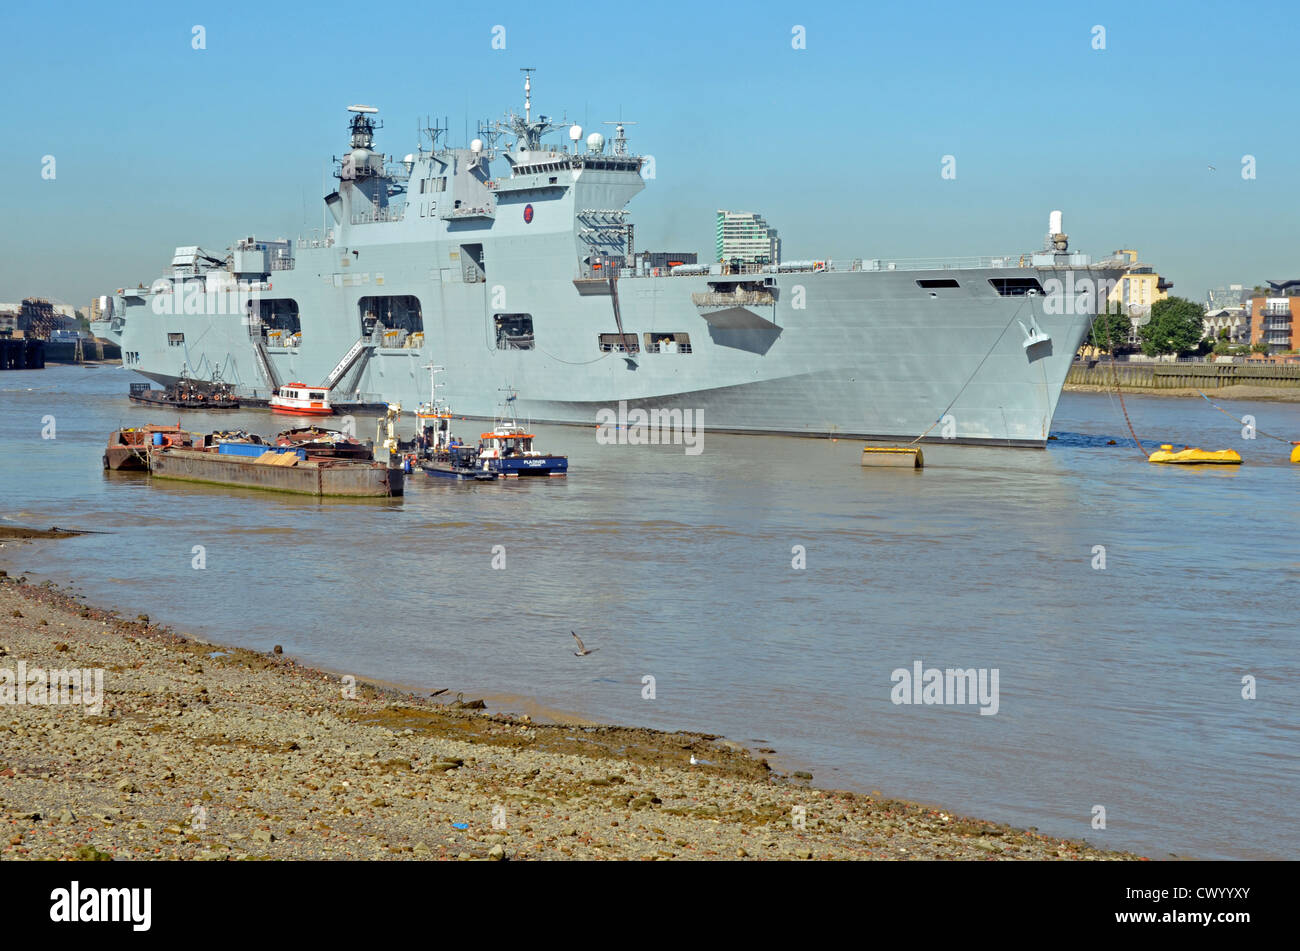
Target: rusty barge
point(277, 469)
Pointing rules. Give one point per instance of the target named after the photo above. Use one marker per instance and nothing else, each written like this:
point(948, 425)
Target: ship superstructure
point(511, 262)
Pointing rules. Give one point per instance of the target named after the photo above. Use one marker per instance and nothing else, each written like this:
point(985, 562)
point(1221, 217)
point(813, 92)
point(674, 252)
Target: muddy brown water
point(1118, 687)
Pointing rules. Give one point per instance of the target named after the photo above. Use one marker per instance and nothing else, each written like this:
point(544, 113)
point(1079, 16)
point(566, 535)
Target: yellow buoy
point(892, 457)
point(1295, 453)
point(1196, 457)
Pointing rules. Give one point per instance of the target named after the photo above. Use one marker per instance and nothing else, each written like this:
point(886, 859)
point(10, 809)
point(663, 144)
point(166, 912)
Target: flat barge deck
point(278, 471)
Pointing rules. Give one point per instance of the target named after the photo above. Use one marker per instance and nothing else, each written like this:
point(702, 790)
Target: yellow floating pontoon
point(892, 457)
point(1196, 457)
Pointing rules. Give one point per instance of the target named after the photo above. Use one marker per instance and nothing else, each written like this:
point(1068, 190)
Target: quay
point(82, 351)
point(1175, 376)
point(21, 353)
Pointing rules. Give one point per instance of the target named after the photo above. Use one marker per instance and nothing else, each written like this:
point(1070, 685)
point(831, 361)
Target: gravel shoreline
point(211, 753)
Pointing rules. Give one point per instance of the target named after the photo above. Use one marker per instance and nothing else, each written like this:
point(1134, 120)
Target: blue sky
point(840, 144)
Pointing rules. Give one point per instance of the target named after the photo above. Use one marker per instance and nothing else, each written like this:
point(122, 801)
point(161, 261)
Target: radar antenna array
point(433, 131)
point(527, 131)
point(620, 140)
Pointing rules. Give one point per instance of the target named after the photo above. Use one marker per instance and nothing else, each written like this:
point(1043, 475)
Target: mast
point(528, 90)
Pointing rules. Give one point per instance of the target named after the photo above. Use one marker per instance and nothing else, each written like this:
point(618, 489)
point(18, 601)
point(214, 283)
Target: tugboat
point(298, 399)
point(458, 462)
point(186, 393)
point(437, 451)
point(442, 455)
point(508, 451)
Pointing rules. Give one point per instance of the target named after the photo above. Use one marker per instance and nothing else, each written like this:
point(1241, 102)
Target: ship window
point(514, 331)
point(667, 343)
point(396, 312)
point(619, 343)
point(1016, 286)
point(315, 395)
point(176, 340)
point(279, 314)
point(933, 283)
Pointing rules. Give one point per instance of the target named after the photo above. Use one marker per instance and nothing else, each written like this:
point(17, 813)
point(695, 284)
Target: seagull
point(694, 761)
point(582, 648)
point(1210, 167)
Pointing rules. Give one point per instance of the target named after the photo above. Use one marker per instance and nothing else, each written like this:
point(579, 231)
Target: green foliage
point(1110, 331)
point(1260, 347)
point(1175, 327)
point(1224, 335)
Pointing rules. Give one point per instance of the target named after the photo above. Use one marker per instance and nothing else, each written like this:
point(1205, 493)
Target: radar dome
point(476, 145)
point(575, 132)
point(595, 142)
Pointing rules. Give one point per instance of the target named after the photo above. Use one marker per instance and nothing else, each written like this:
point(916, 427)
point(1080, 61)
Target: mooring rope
point(1115, 375)
point(1243, 422)
point(973, 375)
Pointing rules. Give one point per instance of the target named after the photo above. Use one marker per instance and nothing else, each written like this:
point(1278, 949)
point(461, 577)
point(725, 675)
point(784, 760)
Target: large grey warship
point(510, 262)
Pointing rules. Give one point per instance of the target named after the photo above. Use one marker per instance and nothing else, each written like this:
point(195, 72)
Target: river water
point(1118, 686)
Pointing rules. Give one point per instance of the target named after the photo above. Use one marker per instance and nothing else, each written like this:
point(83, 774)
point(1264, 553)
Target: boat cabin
point(503, 443)
point(302, 399)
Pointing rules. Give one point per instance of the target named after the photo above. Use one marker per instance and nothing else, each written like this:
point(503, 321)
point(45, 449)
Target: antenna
point(620, 140)
point(528, 90)
point(434, 131)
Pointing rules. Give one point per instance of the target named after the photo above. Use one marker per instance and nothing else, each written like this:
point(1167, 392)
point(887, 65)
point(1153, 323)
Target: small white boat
point(298, 399)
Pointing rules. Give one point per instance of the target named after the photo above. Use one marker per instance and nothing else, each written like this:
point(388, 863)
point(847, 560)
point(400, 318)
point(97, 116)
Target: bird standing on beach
point(582, 648)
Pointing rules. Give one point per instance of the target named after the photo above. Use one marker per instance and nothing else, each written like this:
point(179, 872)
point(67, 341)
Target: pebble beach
point(202, 752)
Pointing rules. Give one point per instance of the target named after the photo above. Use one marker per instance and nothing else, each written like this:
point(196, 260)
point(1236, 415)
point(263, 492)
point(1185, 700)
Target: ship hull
point(861, 353)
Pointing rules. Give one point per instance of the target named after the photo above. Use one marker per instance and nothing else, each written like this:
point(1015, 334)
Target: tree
point(1175, 327)
point(1260, 347)
point(1224, 335)
point(1110, 331)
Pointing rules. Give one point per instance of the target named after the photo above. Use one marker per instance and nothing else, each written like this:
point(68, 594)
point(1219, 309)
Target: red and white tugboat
point(298, 399)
